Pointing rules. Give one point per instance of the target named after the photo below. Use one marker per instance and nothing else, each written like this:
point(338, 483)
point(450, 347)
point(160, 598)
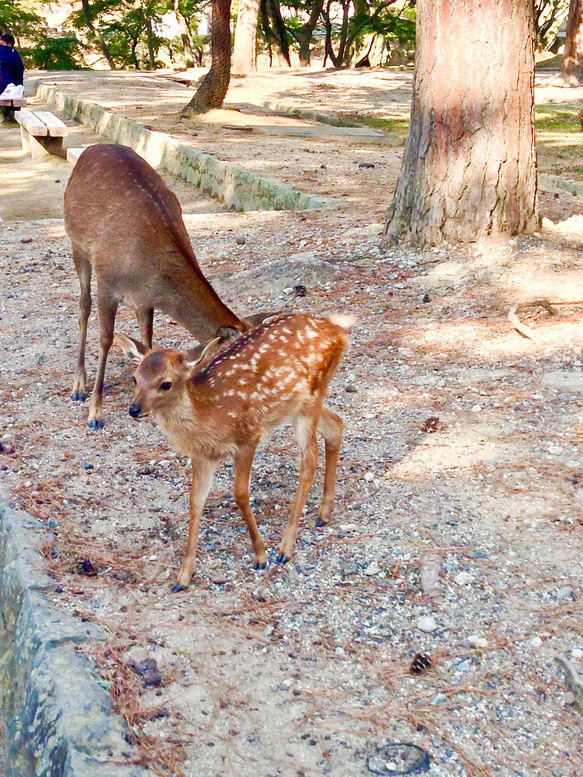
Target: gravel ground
point(457, 532)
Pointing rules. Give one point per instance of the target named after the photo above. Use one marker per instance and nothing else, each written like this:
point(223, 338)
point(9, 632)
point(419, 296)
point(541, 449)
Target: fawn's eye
point(166, 386)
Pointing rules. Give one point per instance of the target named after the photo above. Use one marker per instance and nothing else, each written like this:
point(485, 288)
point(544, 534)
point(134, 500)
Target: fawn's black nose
point(135, 411)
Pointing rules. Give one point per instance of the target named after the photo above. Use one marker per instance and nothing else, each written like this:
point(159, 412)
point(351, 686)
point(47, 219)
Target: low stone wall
point(225, 181)
point(58, 719)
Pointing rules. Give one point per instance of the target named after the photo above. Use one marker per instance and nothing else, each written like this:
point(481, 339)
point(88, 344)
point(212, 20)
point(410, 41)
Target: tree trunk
point(245, 48)
point(97, 32)
point(150, 38)
point(211, 92)
point(306, 32)
point(469, 167)
point(190, 54)
point(573, 54)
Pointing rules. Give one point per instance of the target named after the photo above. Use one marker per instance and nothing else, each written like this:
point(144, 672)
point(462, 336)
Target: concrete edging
point(553, 182)
point(59, 721)
point(227, 182)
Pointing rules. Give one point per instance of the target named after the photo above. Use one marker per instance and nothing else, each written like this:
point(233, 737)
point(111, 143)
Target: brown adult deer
point(126, 226)
point(278, 371)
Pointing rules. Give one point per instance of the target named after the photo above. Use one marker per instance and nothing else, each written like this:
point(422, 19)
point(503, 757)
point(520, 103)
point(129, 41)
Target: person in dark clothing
point(11, 67)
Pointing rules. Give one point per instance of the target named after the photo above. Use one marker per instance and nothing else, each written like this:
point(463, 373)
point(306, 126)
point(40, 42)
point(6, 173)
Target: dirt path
point(457, 531)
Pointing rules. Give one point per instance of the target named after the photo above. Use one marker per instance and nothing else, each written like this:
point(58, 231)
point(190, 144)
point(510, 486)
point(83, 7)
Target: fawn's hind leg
point(330, 427)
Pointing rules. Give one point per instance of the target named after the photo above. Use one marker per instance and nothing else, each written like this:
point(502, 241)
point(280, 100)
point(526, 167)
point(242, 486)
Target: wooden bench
point(42, 133)
point(8, 108)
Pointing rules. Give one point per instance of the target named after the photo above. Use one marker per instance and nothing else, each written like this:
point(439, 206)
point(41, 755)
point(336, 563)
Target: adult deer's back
point(126, 226)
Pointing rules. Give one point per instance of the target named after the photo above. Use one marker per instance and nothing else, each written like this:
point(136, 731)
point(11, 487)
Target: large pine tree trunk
point(573, 54)
point(469, 167)
point(213, 88)
point(245, 47)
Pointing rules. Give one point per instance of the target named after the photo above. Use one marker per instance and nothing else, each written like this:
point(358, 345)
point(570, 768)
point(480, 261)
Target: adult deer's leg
point(242, 471)
point(145, 318)
point(305, 428)
point(83, 268)
point(330, 427)
point(203, 472)
point(107, 306)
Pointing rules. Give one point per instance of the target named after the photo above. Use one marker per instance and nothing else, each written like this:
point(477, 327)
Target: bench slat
point(12, 103)
point(57, 128)
point(32, 124)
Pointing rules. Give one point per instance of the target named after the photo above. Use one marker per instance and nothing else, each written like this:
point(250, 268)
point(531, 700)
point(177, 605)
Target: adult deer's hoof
point(320, 523)
point(177, 588)
point(96, 424)
point(257, 565)
point(78, 396)
point(281, 559)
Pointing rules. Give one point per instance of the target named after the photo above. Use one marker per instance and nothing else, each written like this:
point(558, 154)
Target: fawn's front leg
point(203, 472)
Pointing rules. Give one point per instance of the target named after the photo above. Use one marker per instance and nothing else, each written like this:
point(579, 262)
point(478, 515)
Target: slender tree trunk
point(211, 92)
point(469, 167)
point(245, 47)
point(306, 31)
point(573, 54)
point(190, 53)
point(150, 38)
point(97, 33)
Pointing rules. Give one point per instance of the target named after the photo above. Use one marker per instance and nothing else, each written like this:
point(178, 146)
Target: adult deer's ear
point(133, 349)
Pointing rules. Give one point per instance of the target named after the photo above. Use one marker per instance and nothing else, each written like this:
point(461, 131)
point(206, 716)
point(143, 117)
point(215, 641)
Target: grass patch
point(549, 118)
point(398, 126)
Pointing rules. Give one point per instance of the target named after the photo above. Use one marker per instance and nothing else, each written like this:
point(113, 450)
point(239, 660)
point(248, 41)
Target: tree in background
point(469, 167)
point(245, 43)
point(274, 30)
point(213, 88)
point(573, 54)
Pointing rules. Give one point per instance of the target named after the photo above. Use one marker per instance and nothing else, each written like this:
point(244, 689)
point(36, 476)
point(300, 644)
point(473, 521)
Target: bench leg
point(25, 139)
point(47, 146)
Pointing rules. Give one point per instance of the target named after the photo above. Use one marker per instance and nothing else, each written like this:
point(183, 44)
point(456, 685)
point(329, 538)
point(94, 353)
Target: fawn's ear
point(198, 356)
point(133, 349)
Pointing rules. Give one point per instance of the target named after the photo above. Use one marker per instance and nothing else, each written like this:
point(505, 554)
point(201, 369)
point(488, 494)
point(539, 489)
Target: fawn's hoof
point(96, 424)
point(320, 523)
point(78, 396)
point(281, 559)
point(177, 588)
point(257, 565)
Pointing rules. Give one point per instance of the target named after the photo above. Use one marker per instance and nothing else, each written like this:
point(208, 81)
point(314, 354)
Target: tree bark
point(213, 88)
point(97, 32)
point(191, 55)
point(573, 54)
point(469, 167)
point(245, 47)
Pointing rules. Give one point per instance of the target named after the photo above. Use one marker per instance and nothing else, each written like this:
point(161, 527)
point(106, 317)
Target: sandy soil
point(459, 495)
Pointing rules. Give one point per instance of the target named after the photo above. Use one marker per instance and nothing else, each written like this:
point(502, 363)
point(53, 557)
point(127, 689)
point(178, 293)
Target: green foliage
point(48, 53)
point(19, 19)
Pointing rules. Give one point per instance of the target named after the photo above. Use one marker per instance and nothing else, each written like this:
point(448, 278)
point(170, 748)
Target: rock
point(444, 274)
point(426, 623)
point(569, 698)
point(535, 642)
point(577, 653)
point(441, 698)
point(571, 678)
point(299, 270)
point(463, 578)
point(430, 577)
point(219, 578)
point(479, 642)
point(372, 569)
point(240, 240)
point(563, 380)
point(564, 593)
point(369, 477)
point(148, 671)
point(268, 631)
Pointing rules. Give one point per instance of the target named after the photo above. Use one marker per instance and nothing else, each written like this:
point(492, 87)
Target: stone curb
point(59, 720)
point(553, 182)
point(227, 182)
point(379, 136)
